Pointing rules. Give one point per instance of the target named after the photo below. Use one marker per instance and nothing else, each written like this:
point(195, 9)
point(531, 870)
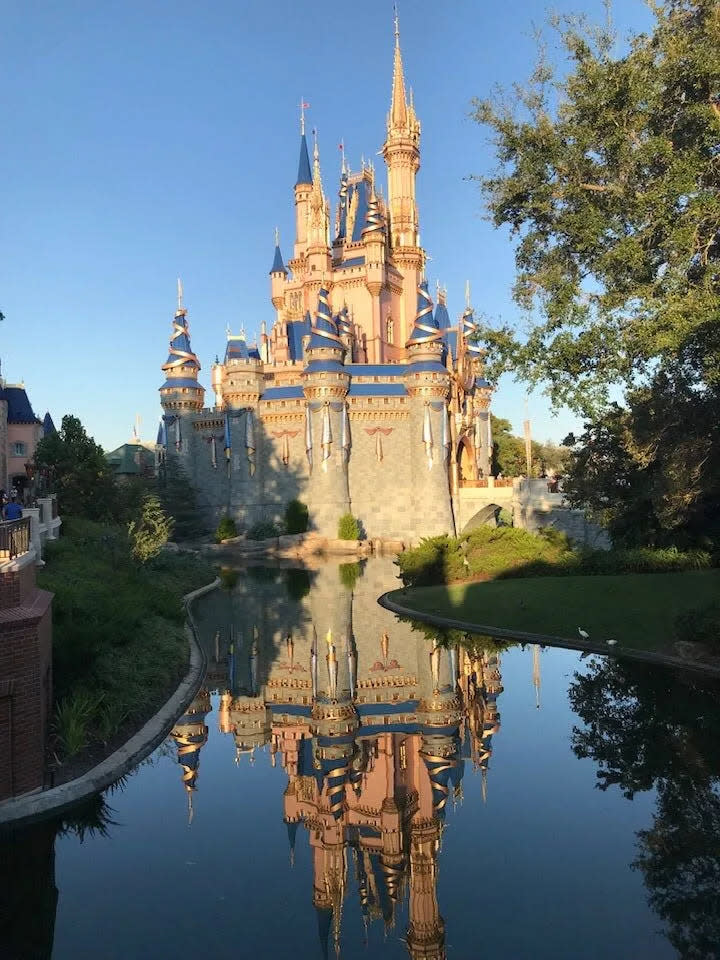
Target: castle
point(364, 397)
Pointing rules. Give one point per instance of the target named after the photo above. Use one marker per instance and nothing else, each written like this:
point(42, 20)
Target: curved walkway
point(33, 806)
point(389, 602)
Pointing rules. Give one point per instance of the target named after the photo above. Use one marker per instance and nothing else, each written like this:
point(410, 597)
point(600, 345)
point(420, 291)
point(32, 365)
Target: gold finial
point(303, 108)
point(467, 294)
point(277, 237)
point(316, 152)
point(397, 25)
point(179, 294)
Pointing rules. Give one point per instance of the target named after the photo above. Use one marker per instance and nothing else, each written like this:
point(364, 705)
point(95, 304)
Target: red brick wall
point(25, 681)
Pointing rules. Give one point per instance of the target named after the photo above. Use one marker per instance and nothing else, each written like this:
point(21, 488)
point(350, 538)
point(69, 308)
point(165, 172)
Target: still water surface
point(345, 786)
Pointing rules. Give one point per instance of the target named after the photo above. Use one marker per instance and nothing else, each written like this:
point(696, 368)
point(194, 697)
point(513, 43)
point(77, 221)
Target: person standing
point(13, 510)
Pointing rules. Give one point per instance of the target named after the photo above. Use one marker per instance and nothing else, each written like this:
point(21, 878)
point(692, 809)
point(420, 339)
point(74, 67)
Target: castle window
point(18, 449)
point(390, 330)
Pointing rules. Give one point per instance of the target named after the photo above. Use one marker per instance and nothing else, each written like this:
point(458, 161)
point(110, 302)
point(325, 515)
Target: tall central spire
point(398, 105)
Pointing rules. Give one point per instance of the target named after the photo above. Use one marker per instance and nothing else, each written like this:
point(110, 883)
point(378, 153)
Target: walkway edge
point(387, 601)
point(32, 806)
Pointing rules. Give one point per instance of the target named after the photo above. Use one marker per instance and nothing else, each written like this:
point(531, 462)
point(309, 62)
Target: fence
point(14, 538)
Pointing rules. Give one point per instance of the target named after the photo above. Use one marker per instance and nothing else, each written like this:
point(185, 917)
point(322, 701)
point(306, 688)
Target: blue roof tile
point(282, 393)
point(304, 174)
point(376, 390)
point(278, 266)
point(19, 408)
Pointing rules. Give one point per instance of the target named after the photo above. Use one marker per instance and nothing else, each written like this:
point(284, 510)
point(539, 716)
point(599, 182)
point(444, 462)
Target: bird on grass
point(584, 635)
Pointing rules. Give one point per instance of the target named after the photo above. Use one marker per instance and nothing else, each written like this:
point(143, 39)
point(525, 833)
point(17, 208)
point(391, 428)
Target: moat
point(346, 785)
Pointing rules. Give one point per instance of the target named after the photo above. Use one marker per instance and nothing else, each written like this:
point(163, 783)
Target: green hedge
point(511, 552)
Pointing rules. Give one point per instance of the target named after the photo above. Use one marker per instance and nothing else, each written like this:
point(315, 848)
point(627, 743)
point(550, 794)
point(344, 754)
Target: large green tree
point(608, 179)
point(78, 472)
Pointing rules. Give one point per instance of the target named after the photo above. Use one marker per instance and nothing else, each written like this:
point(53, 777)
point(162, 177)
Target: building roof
point(278, 266)
point(237, 349)
point(304, 173)
point(19, 408)
point(324, 332)
point(131, 459)
point(48, 425)
point(297, 329)
point(180, 350)
point(425, 327)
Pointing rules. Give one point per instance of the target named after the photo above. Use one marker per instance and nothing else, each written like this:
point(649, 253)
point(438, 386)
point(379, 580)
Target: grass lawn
point(638, 610)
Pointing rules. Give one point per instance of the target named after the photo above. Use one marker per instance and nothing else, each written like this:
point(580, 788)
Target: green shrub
point(263, 530)
point(149, 534)
point(434, 560)
point(504, 518)
point(72, 721)
point(297, 518)
point(700, 626)
point(349, 574)
point(225, 529)
point(348, 527)
point(229, 578)
point(297, 582)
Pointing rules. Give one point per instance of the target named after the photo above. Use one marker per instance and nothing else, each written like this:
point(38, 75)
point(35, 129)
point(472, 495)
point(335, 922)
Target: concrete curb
point(387, 601)
point(34, 806)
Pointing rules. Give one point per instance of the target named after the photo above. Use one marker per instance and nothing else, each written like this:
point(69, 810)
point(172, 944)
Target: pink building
point(20, 432)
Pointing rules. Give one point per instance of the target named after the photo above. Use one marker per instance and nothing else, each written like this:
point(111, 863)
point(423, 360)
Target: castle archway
point(466, 460)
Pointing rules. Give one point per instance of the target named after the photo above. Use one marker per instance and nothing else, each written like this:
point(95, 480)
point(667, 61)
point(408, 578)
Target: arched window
point(390, 330)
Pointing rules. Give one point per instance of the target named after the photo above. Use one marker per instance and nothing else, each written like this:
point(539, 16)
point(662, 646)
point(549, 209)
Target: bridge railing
point(14, 538)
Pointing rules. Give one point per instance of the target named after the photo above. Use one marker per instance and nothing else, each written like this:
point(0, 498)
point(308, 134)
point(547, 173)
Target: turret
point(482, 392)
point(278, 276)
point(327, 425)
point(180, 394)
point(190, 734)
point(318, 225)
point(243, 376)
point(401, 151)
point(303, 188)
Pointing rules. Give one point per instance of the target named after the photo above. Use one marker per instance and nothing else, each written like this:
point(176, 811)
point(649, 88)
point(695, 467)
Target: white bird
point(611, 643)
point(583, 633)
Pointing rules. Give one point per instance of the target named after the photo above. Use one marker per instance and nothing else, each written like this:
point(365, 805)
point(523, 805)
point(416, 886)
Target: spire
point(398, 105)
point(277, 266)
point(373, 217)
point(181, 354)
point(304, 176)
point(180, 307)
point(324, 331)
point(425, 328)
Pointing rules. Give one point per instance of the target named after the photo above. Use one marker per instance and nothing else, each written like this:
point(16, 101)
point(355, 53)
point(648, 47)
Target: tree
point(608, 179)
point(151, 531)
point(651, 472)
point(78, 472)
point(179, 500)
point(509, 453)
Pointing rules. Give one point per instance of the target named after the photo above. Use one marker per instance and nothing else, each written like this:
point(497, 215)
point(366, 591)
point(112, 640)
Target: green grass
point(638, 610)
point(119, 644)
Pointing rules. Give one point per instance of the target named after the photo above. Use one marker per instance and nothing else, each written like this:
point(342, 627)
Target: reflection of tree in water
point(652, 728)
point(28, 895)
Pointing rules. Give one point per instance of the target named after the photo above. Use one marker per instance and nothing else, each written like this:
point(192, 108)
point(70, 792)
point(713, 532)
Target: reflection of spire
point(190, 734)
point(536, 673)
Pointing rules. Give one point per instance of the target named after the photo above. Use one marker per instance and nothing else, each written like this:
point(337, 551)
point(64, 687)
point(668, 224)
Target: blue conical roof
point(343, 322)
point(278, 266)
point(48, 425)
point(425, 328)
point(181, 354)
point(470, 328)
point(304, 172)
point(373, 217)
point(324, 331)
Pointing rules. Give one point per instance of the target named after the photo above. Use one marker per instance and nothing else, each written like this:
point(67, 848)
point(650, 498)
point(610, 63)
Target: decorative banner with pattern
point(378, 433)
point(427, 436)
point(250, 441)
point(285, 436)
point(327, 437)
point(308, 437)
point(228, 444)
point(345, 434)
point(178, 435)
point(445, 434)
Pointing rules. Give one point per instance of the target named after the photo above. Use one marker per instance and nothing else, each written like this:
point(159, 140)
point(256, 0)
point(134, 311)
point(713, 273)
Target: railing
point(14, 538)
point(54, 507)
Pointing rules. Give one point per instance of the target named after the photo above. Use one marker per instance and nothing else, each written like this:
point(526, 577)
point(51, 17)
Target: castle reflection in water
point(372, 722)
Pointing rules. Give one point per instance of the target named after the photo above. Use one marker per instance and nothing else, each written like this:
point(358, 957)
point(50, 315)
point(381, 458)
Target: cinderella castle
point(364, 396)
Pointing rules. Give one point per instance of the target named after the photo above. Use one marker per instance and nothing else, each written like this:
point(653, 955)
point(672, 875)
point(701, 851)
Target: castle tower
point(426, 933)
point(401, 151)
point(327, 428)
point(303, 189)
point(428, 385)
point(318, 224)
point(190, 734)
point(181, 395)
point(483, 390)
point(278, 275)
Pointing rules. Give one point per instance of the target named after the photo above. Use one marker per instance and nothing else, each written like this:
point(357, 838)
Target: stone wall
point(25, 676)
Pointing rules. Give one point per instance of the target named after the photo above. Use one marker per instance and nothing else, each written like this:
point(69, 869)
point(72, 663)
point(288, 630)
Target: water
point(560, 808)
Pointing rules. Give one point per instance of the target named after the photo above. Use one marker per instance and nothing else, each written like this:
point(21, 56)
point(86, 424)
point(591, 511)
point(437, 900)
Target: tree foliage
point(608, 180)
point(179, 500)
point(150, 532)
point(78, 472)
point(651, 472)
point(509, 453)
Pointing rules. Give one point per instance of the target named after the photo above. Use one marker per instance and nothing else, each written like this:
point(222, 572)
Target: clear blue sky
point(144, 139)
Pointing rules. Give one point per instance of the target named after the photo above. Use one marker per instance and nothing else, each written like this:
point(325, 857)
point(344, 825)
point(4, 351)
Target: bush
point(434, 560)
point(151, 532)
point(229, 578)
point(700, 626)
point(263, 530)
point(225, 529)
point(297, 582)
point(297, 518)
point(348, 527)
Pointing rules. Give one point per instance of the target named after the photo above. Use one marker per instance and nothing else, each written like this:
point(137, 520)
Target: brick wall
point(25, 680)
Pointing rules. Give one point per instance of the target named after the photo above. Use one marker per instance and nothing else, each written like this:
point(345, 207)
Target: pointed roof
point(19, 407)
point(237, 348)
point(181, 354)
point(398, 103)
point(48, 425)
point(277, 265)
point(324, 332)
point(373, 217)
point(425, 329)
point(304, 175)
point(343, 322)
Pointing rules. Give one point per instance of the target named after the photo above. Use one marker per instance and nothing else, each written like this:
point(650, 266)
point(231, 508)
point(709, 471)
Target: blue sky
point(146, 140)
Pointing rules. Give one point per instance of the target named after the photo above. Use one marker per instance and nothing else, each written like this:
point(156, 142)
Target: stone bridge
point(532, 507)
